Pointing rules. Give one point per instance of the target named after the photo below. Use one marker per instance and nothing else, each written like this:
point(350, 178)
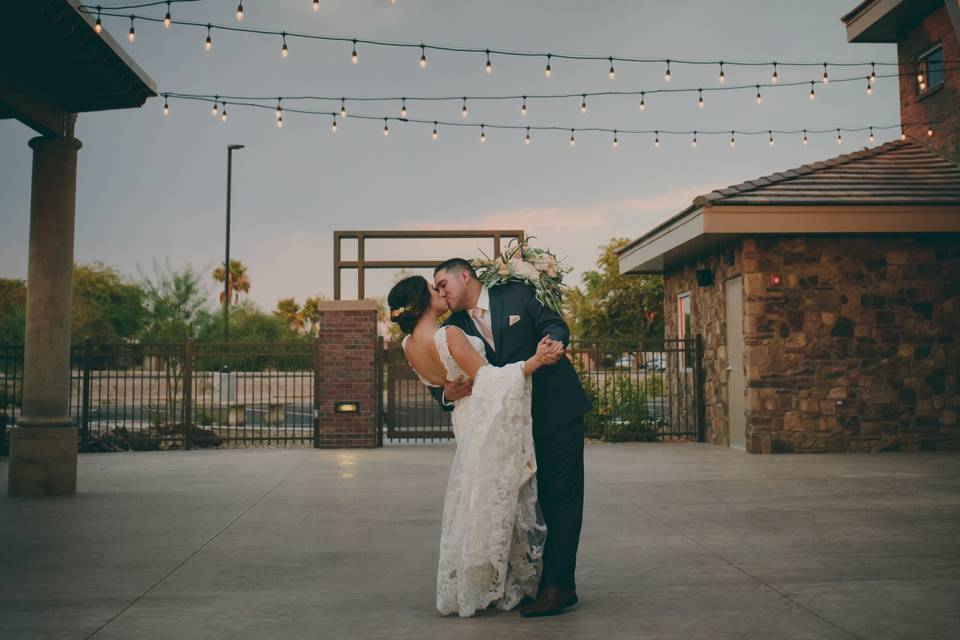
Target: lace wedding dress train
point(491, 541)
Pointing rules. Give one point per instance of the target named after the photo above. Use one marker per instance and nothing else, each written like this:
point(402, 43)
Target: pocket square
point(514, 320)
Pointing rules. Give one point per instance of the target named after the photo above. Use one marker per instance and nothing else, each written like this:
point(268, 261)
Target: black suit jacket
point(558, 397)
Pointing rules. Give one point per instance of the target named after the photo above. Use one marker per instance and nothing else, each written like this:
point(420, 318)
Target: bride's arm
point(470, 361)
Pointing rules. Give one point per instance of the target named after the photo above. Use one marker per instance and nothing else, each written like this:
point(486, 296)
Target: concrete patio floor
point(679, 541)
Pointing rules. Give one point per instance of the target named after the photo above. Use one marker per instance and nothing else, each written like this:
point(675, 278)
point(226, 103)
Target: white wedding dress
point(491, 541)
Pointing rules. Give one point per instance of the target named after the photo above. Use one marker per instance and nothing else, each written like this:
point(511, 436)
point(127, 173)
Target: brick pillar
point(347, 373)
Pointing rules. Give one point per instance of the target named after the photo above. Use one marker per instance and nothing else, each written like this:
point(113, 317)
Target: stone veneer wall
point(856, 350)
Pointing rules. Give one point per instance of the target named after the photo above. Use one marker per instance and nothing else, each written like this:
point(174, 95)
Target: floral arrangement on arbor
point(540, 268)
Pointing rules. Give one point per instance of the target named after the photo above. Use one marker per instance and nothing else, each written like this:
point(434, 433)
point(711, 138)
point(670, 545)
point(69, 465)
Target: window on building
point(930, 69)
point(683, 315)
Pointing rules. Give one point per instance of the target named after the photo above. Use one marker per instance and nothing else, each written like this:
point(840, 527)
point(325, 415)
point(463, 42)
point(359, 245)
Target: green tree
point(13, 311)
point(106, 306)
point(249, 323)
point(289, 310)
point(311, 314)
point(176, 303)
point(613, 305)
point(239, 280)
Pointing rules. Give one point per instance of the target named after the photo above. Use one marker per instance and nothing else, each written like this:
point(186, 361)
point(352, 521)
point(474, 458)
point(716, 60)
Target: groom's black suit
point(559, 403)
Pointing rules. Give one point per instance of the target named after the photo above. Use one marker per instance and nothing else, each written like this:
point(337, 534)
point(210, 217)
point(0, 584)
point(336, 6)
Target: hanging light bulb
point(316, 6)
point(434, 134)
point(643, 104)
point(240, 12)
point(403, 107)
point(523, 107)
point(583, 105)
point(869, 87)
point(547, 71)
point(771, 137)
point(872, 137)
point(839, 137)
point(612, 74)
point(386, 129)
point(656, 140)
point(166, 106)
point(813, 93)
point(666, 76)
point(805, 137)
point(759, 97)
point(694, 143)
point(723, 76)
point(167, 20)
point(775, 78)
point(280, 122)
point(343, 107)
point(920, 76)
point(423, 57)
point(733, 142)
point(132, 34)
point(873, 73)
point(825, 78)
point(483, 134)
point(333, 124)
point(464, 112)
point(354, 58)
point(98, 25)
point(903, 134)
point(279, 110)
point(216, 107)
point(929, 131)
point(208, 43)
point(223, 113)
point(573, 140)
point(700, 100)
point(526, 138)
point(616, 141)
point(923, 86)
point(283, 50)
point(488, 68)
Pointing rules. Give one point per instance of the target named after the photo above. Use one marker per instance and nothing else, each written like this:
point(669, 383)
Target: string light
point(805, 137)
point(583, 105)
point(208, 43)
point(166, 106)
point(283, 50)
point(343, 107)
point(839, 137)
point(643, 104)
point(403, 108)
point(316, 6)
point(215, 108)
point(666, 76)
point(694, 143)
point(873, 73)
point(723, 76)
point(167, 20)
point(423, 57)
point(464, 112)
point(354, 58)
point(223, 113)
point(813, 92)
point(929, 131)
point(333, 125)
point(488, 68)
point(775, 78)
point(483, 134)
point(869, 87)
point(733, 142)
point(759, 97)
point(612, 74)
point(771, 137)
point(386, 129)
point(903, 134)
point(573, 140)
point(523, 107)
point(526, 138)
point(700, 101)
point(434, 134)
point(280, 122)
point(825, 77)
point(279, 110)
point(656, 140)
point(240, 12)
point(98, 25)
point(616, 141)
point(923, 86)
point(872, 137)
point(547, 71)
point(132, 34)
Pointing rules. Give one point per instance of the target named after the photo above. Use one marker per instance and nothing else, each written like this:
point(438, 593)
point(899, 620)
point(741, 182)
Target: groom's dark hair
point(455, 265)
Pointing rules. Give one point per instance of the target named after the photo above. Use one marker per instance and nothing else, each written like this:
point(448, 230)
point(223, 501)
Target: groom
point(510, 321)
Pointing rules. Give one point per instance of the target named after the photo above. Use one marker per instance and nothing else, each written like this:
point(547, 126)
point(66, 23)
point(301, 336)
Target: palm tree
point(289, 310)
point(311, 313)
point(239, 280)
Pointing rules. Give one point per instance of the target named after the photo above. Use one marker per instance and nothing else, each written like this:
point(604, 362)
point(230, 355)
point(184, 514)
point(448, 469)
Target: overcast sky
point(151, 187)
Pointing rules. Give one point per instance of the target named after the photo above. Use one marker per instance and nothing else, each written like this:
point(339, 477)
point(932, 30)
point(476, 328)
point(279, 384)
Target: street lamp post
point(226, 261)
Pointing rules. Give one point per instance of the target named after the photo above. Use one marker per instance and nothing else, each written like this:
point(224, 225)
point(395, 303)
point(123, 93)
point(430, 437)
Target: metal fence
point(181, 395)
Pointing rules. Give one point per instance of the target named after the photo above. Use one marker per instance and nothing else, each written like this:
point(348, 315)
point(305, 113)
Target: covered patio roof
point(898, 187)
point(883, 20)
point(56, 65)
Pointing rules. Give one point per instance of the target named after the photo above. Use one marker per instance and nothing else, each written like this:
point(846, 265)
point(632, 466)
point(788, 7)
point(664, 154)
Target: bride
point(492, 536)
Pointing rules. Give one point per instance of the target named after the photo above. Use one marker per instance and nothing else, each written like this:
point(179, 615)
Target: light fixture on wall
point(774, 279)
point(346, 407)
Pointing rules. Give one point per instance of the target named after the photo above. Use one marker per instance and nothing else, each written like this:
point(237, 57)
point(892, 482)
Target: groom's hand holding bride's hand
point(459, 388)
point(550, 350)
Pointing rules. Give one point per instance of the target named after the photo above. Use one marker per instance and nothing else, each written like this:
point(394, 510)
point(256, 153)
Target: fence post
point(379, 389)
point(316, 393)
point(699, 383)
point(188, 394)
point(85, 395)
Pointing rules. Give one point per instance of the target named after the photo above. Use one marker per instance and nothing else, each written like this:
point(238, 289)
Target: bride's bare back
point(420, 348)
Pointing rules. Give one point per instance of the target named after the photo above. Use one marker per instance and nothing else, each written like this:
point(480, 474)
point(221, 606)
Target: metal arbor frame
point(361, 264)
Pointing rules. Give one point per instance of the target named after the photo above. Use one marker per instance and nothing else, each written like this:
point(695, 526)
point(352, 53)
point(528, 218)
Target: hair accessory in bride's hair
point(396, 313)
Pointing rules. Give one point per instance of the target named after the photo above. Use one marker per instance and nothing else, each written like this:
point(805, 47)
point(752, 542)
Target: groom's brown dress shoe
point(550, 603)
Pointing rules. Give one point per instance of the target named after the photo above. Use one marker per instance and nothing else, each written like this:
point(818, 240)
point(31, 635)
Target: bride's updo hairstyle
point(408, 300)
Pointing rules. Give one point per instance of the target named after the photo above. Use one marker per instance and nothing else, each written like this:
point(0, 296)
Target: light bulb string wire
point(613, 130)
point(533, 96)
point(111, 12)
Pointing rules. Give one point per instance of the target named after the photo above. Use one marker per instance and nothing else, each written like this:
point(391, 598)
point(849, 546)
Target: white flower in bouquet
point(538, 268)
